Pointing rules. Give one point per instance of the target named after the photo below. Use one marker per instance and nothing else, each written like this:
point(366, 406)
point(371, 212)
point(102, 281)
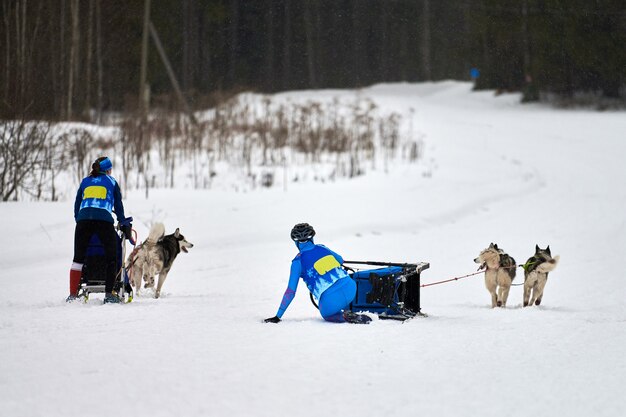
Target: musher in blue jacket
point(320, 269)
point(97, 198)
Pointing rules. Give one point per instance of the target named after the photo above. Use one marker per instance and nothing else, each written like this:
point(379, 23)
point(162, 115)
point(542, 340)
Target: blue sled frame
point(391, 291)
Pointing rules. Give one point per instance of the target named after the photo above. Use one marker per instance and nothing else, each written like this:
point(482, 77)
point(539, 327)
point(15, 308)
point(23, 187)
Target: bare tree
point(269, 46)
point(77, 143)
point(22, 157)
point(234, 41)
point(425, 50)
point(99, 61)
point(88, 59)
point(7, 50)
point(74, 56)
point(287, 46)
point(309, 44)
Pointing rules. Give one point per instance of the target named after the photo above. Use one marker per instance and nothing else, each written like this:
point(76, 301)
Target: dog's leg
point(533, 296)
point(500, 296)
point(503, 281)
point(149, 281)
point(526, 294)
point(490, 283)
point(138, 277)
point(538, 292)
point(529, 281)
point(162, 277)
point(505, 294)
point(535, 292)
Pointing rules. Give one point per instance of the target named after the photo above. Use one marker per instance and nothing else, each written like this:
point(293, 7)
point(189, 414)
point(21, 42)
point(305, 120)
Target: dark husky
point(499, 273)
point(155, 256)
point(536, 274)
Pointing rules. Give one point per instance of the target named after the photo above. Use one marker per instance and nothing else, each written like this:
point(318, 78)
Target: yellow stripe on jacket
point(325, 264)
point(95, 191)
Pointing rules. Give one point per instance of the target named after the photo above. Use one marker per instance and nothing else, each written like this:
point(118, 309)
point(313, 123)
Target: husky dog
point(499, 273)
point(155, 256)
point(536, 274)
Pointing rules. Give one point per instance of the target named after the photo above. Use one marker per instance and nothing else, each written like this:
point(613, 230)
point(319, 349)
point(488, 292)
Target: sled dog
point(155, 257)
point(499, 273)
point(536, 274)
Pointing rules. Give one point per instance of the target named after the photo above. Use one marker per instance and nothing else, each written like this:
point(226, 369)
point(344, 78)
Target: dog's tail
point(549, 265)
point(157, 231)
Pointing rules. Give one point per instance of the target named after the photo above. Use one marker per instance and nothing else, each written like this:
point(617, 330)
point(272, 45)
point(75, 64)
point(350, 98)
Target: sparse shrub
point(321, 140)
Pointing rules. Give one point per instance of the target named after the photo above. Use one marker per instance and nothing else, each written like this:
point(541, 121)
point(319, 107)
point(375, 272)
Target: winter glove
point(127, 229)
point(274, 319)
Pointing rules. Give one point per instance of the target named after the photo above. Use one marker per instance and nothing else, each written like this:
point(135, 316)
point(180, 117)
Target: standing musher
point(97, 198)
point(321, 270)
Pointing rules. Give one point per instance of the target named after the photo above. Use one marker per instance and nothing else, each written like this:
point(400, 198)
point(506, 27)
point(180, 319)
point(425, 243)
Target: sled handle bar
point(418, 266)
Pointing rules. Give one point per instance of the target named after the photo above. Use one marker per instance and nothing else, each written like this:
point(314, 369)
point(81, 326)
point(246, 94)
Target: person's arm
point(118, 206)
point(125, 223)
point(290, 292)
point(79, 199)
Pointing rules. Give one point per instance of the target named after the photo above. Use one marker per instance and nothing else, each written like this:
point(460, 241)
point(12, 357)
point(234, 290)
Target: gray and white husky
point(499, 273)
point(536, 274)
point(155, 257)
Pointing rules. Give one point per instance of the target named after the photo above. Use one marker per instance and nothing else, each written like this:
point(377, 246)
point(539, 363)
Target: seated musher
point(97, 198)
point(321, 270)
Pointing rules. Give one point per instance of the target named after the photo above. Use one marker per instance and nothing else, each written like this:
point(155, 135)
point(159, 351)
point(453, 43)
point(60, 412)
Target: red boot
point(76, 273)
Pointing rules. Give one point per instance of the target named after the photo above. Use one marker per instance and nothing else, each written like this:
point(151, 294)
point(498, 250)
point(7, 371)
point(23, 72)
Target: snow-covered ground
point(493, 171)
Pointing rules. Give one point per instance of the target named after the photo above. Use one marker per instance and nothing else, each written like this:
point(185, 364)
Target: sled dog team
point(156, 256)
point(500, 271)
point(99, 197)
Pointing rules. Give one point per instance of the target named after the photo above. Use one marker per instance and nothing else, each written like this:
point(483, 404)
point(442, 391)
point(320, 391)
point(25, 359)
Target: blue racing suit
point(97, 198)
point(320, 269)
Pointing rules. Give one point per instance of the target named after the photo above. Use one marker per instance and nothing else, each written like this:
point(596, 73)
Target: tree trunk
point(142, 99)
point(99, 93)
point(384, 45)
point(88, 59)
point(287, 46)
point(357, 43)
point(270, 76)
point(426, 42)
point(309, 45)
point(73, 65)
point(190, 44)
point(7, 69)
point(234, 42)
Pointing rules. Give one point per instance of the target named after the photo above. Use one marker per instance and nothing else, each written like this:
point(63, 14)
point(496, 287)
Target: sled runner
point(94, 270)
point(392, 292)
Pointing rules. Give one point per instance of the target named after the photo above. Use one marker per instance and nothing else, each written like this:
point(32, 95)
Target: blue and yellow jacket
point(319, 268)
point(98, 198)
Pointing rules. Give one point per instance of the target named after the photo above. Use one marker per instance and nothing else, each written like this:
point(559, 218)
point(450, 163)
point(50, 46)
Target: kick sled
point(95, 269)
point(391, 291)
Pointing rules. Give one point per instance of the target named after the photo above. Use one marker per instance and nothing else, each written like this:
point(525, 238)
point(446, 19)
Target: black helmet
point(302, 232)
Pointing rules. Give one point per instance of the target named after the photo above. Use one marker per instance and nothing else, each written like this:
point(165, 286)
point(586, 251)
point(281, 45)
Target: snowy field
point(493, 171)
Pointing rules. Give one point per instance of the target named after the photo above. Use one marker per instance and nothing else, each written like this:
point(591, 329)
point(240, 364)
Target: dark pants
point(84, 233)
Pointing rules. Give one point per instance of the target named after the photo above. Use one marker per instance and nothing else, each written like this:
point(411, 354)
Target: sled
point(94, 270)
point(392, 291)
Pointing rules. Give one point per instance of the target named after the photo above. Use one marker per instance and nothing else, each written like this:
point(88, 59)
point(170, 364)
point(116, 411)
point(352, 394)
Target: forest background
point(80, 60)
